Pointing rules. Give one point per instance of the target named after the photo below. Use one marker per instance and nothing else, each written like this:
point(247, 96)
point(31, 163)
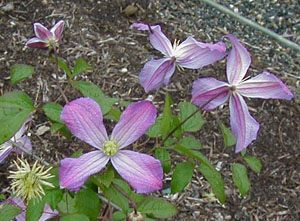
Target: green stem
point(253, 25)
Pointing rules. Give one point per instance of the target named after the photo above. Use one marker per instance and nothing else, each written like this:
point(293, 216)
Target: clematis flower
point(46, 39)
point(8, 147)
point(189, 54)
point(264, 85)
point(84, 119)
point(18, 202)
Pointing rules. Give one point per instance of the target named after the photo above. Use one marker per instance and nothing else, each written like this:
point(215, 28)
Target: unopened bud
point(135, 216)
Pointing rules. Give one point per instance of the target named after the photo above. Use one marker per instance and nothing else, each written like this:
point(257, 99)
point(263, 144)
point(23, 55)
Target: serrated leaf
point(35, 209)
point(154, 130)
point(9, 212)
point(229, 138)
point(157, 207)
point(53, 111)
point(182, 175)
point(88, 203)
point(19, 72)
point(190, 143)
point(75, 217)
point(15, 108)
point(254, 163)
point(63, 65)
point(80, 66)
point(166, 122)
point(165, 159)
point(240, 178)
point(88, 89)
point(195, 123)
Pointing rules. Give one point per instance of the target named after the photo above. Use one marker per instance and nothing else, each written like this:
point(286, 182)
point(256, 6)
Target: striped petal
point(25, 143)
point(57, 30)
point(265, 85)
point(205, 89)
point(73, 172)
point(134, 122)
point(143, 172)
point(42, 32)
point(83, 117)
point(156, 73)
point(5, 150)
point(36, 43)
point(194, 54)
point(238, 61)
point(243, 125)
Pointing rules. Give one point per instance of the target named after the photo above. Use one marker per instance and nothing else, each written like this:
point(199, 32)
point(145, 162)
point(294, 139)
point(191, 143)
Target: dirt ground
point(99, 32)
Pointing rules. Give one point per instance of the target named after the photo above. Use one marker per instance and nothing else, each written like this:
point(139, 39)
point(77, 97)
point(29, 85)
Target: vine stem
point(126, 196)
point(253, 25)
point(192, 114)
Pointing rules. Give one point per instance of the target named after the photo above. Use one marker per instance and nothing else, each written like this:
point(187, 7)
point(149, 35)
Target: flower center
point(52, 43)
point(110, 148)
point(233, 88)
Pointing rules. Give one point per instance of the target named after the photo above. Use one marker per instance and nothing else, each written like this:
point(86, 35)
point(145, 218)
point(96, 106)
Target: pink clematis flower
point(84, 119)
point(8, 147)
point(189, 54)
point(46, 39)
point(264, 85)
point(18, 202)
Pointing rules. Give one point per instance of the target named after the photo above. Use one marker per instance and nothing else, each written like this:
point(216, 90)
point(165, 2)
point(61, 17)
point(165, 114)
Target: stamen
point(110, 148)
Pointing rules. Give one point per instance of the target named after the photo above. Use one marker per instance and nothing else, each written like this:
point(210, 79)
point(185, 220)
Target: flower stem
point(126, 196)
point(192, 114)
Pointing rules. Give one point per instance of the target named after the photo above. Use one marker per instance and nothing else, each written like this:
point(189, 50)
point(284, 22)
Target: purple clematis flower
point(18, 202)
point(264, 85)
point(189, 54)
point(84, 119)
point(46, 39)
point(8, 147)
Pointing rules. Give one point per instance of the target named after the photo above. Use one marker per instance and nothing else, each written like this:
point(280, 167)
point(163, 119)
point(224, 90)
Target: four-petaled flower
point(19, 138)
point(83, 117)
point(46, 39)
point(18, 202)
point(264, 85)
point(189, 54)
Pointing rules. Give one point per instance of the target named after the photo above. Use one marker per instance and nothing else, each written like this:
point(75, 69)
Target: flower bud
point(135, 216)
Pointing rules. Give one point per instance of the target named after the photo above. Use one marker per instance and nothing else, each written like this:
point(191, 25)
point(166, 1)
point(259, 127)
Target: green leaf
point(88, 89)
point(190, 143)
point(174, 124)
point(67, 204)
point(254, 163)
point(15, 108)
point(182, 176)
point(126, 188)
point(104, 178)
point(75, 217)
point(229, 138)
point(157, 208)
point(56, 127)
point(119, 216)
point(53, 197)
point(19, 72)
point(240, 178)
point(165, 159)
point(195, 123)
point(9, 212)
point(215, 180)
point(166, 122)
point(88, 203)
point(2, 197)
point(35, 209)
point(113, 114)
point(154, 130)
point(63, 65)
point(80, 66)
point(53, 112)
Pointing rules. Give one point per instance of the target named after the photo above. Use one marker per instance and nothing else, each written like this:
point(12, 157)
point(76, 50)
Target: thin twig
point(126, 196)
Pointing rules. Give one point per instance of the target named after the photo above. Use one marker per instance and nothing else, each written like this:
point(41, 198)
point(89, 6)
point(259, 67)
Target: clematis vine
point(46, 39)
point(264, 85)
point(18, 202)
point(19, 138)
point(83, 117)
point(189, 54)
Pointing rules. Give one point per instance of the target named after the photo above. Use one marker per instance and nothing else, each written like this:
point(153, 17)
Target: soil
point(100, 32)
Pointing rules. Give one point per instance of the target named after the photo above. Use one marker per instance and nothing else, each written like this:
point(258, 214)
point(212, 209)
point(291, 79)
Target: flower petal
point(48, 213)
point(83, 117)
point(157, 38)
point(73, 172)
point(5, 151)
point(36, 43)
point(134, 122)
point(143, 172)
point(265, 85)
point(42, 32)
point(24, 142)
point(156, 72)
point(204, 89)
point(243, 125)
point(194, 54)
point(238, 61)
point(57, 29)
point(18, 202)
